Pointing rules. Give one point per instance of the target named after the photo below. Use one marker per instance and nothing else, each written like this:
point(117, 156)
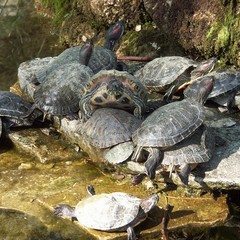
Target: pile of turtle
point(87, 83)
point(115, 113)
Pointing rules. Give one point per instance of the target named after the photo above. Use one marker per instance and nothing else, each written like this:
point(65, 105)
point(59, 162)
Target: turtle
point(187, 154)
point(101, 57)
point(167, 74)
point(13, 109)
point(60, 94)
point(111, 129)
point(115, 89)
point(110, 212)
point(227, 84)
point(169, 125)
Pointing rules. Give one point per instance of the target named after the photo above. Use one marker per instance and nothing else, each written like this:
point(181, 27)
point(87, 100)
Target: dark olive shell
point(197, 148)
point(60, 93)
point(108, 127)
point(170, 124)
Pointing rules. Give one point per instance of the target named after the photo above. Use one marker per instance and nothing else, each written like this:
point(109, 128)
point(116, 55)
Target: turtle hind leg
point(184, 174)
point(131, 233)
point(153, 161)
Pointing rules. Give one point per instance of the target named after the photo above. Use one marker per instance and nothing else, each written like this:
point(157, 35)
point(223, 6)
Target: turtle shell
point(114, 211)
point(103, 91)
point(62, 90)
point(197, 148)
point(225, 81)
point(160, 73)
point(14, 108)
point(108, 127)
point(170, 124)
point(101, 58)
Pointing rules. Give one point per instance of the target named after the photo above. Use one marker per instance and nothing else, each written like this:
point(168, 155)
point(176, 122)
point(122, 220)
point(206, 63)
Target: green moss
point(61, 9)
point(223, 38)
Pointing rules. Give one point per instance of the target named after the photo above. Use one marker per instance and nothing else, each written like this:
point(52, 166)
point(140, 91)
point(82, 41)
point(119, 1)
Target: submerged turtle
point(13, 109)
point(227, 84)
point(116, 89)
point(101, 57)
point(61, 92)
point(169, 125)
point(110, 128)
point(188, 153)
point(167, 74)
point(112, 212)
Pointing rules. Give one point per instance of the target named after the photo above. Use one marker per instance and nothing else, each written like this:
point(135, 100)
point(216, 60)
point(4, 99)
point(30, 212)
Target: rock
point(45, 148)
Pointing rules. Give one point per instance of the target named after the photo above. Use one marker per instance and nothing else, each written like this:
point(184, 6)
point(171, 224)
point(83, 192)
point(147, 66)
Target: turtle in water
point(13, 109)
point(101, 57)
point(115, 89)
point(227, 84)
point(168, 74)
point(111, 212)
point(169, 125)
point(60, 94)
point(111, 129)
point(187, 154)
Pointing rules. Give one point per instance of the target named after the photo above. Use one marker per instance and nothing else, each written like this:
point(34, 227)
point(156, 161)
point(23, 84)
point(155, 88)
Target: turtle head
point(115, 87)
point(204, 89)
point(148, 203)
point(204, 68)
point(113, 35)
point(86, 52)
point(64, 210)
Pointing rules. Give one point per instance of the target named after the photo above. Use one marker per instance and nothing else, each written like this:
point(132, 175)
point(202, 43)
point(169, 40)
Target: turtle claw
point(137, 179)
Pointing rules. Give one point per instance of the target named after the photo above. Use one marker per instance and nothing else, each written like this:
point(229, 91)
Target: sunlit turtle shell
point(117, 211)
point(60, 93)
point(114, 89)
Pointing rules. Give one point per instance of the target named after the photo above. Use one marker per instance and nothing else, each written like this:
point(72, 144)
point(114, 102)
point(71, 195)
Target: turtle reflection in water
point(169, 125)
point(111, 212)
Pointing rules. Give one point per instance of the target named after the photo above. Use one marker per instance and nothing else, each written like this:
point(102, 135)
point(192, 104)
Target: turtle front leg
point(85, 108)
point(131, 233)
